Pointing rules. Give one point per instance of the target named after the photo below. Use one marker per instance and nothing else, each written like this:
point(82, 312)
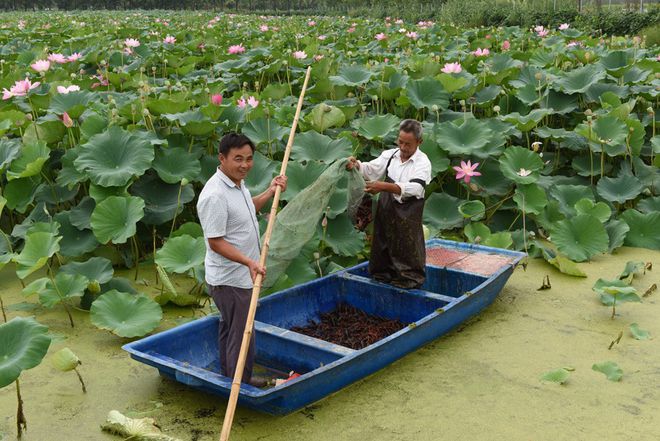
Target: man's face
point(407, 144)
point(237, 163)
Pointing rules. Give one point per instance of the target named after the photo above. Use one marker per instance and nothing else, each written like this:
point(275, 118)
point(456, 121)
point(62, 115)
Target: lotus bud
point(536, 145)
point(73, 75)
point(435, 108)
point(142, 69)
point(588, 112)
point(316, 255)
point(145, 111)
point(29, 116)
point(2, 61)
point(462, 103)
point(153, 69)
point(184, 182)
point(165, 61)
point(496, 109)
point(82, 72)
point(587, 56)
point(650, 110)
point(67, 121)
point(374, 97)
point(364, 108)
point(285, 62)
point(102, 62)
point(94, 287)
point(350, 94)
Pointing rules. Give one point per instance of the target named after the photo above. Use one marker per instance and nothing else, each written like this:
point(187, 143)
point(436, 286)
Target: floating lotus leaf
point(175, 164)
point(580, 237)
point(114, 219)
point(476, 232)
point(73, 103)
point(316, 147)
point(638, 333)
point(301, 176)
point(426, 93)
point(521, 165)
point(95, 269)
point(124, 314)
point(561, 262)
point(467, 138)
point(142, 429)
point(65, 360)
point(632, 268)
point(474, 210)
point(599, 210)
point(351, 76)
point(113, 157)
point(620, 189)
point(53, 292)
point(23, 344)
point(559, 376)
point(38, 248)
point(323, 117)
point(10, 149)
point(525, 123)
point(530, 198)
point(616, 230)
point(580, 79)
point(342, 237)
point(377, 127)
point(264, 131)
point(29, 163)
point(501, 239)
point(569, 195)
point(74, 242)
point(262, 172)
point(161, 200)
point(611, 370)
point(644, 231)
point(181, 254)
point(441, 212)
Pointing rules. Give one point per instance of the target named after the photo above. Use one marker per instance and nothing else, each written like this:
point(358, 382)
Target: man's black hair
point(234, 141)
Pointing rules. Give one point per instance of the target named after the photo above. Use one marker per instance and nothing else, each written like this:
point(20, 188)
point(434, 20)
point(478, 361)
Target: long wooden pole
point(256, 289)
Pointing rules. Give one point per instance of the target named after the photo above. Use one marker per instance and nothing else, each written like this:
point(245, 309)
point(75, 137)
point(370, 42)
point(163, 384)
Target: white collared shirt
point(417, 166)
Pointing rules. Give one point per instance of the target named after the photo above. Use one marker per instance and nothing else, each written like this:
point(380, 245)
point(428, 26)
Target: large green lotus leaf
point(580, 237)
point(324, 116)
point(474, 210)
point(162, 201)
point(95, 269)
point(49, 129)
point(492, 181)
point(616, 230)
point(262, 172)
point(193, 123)
point(441, 211)
point(74, 242)
point(161, 106)
point(114, 219)
point(476, 232)
point(649, 204)
point(521, 165)
point(611, 370)
point(312, 146)
point(525, 123)
point(580, 79)
point(607, 133)
point(620, 189)
point(99, 193)
point(501, 239)
point(634, 75)
point(62, 287)
point(69, 175)
point(124, 314)
point(92, 124)
point(175, 164)
point(450, 83)
point(559, 261)
point(80, 215)
point(529, 95)
point(264, 131)
point(29, 163)
point(190, 228)
point(586, 166)
point(113, 157)
point(636, 136)
point(644, 231)
point(181, 254)
point(599, 210)
point(426, 93)
point(560, 103)
point(569, 195)
point(23, 344)
point(73, 103)
point(487, 94)
point(377, 127)
point(530, 198)
point(467, 138)
point(39, 247)
point(351, 76)
point(615, 62)
point(596, 91)
point(439, 160)
point(54, 195)
point(39, 214)
point(301, 176)
point(10, 149)
point(342, 237)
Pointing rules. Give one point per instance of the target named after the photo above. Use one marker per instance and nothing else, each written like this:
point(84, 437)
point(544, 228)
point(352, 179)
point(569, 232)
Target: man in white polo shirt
point(227, 213)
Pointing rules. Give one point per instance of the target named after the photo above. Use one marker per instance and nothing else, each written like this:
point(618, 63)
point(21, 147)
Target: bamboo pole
point(256, 289)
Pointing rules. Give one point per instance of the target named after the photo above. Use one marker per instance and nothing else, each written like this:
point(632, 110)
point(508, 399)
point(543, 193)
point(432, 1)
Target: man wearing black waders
point(227, 213)
point(398, 254)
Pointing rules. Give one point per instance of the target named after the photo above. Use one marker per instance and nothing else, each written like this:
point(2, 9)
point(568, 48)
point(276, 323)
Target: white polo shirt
point(226, 210)
point(417, 166)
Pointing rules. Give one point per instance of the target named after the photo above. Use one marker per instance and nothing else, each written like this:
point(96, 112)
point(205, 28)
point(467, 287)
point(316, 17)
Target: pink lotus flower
point(299, 55)
point(41, 65)
point(103, 81)
point(452, 68)
point(57, 58)
point(74, 57)
point(380, 36)
point(322, 37)
point(481, 52)
point(658, 57)
point(506, 45)
point(131, 42)
point(543, 33)
point(263, 28)
point(128, 51)
point(564, 26)
point(311, 23)
point(21, 24)
point(412, 35)
point(20, 88)
point(169, 40)
point(65, 90)
point(216, 99)
point(350, 30)
point(538, 28)
point(241, 103)
point(236, 49)
point(252, 102)
point(66, 120)
point(466, 171)
point(398, 21)
point(573, 44)
point(318, 57)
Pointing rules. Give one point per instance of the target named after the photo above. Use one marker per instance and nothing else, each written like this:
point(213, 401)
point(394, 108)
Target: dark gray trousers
point(233, 303)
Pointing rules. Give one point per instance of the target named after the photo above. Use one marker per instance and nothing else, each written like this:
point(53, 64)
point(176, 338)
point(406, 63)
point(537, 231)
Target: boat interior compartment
point(445, 281)
point(300, 305)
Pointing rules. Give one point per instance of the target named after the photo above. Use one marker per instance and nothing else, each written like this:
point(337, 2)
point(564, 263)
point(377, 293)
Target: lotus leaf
point(467, 138)
point(162, 201)
point(586, 166)
point(616, 230)
point(501, 239)
point(580, 237)
point(569, 195)
point(638, 333)
point(649, 204)
point(644, 231)
point(580, 79)
point(324, 116)
point(561, 262)
point(124, 314)
point(114, 219)
point(80, 215)
point(263, 170)
point(23, 344)
point(192, 229)
point(492, 181)
point(342, 237)
point(525, 123)
point(175, 164)
point(74, 242)
point(441, 212)
point(611, 370)
point(312, 146)
point(599, 210)
point(301, 176)
point(264, 131)
point(181, 254)
point(439, 160)
point(476, 232)
point(447, 84)
point(113, 157)
point(426, 93)
point(73, 103)
point(48, 129)
point(530, 198)
point(620, 189)
point(351, 76)
point(169, 294)
point(10, 149)
point(521, 165)
point(29, 163)
point(52, 292)
point(557, 376)
point(92, 124)
point(38, 248)
point(474, 210)
point(162, 106)
point(377, 127)
point(95, 269)
point(69, 175)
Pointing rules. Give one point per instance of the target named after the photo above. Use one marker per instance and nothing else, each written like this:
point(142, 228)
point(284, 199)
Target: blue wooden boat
point(462, 279)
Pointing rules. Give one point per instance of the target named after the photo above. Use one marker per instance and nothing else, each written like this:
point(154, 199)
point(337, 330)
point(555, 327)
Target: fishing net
point(296, 224)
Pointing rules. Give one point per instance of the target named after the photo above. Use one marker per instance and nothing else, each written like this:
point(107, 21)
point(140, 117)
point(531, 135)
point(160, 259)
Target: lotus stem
point(59, 294)
point(82, 383)
point(21, 422)
point(153, 235)
point(2, 306)
point(136, 255)
point(614, 308)
point(176, 211)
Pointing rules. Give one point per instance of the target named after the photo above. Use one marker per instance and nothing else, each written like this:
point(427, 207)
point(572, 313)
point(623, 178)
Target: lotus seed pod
point(94, 287)
point(102, 62)
point(650, 110)
point(317, 256)
point(435, 108)
point(589, 118)
point(142, 69)
point(374, 97)
point(462, 103)
point(29, 116)
point(587, 56)
point(473, 186)
point(496, 109)
point(538, 76)
point(114, 113)
point(73, 75)
point(145, 111)
point(588, 112)
point(184, 182)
